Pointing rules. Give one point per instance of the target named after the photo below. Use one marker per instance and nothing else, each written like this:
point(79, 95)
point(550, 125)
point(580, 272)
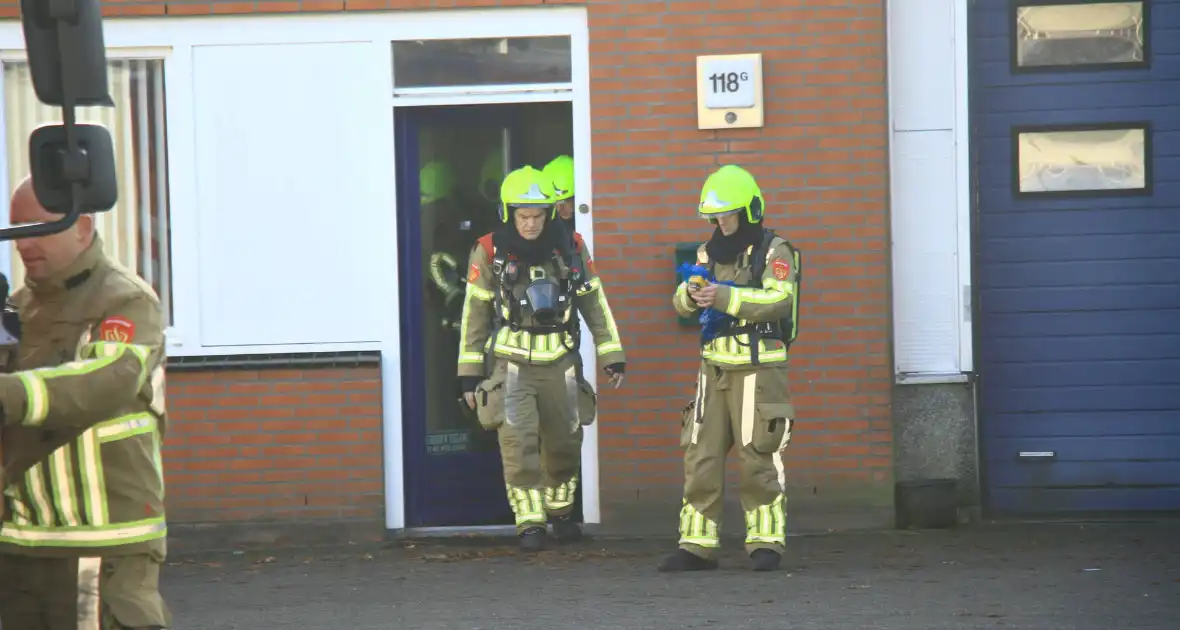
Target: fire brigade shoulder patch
point(782, 269)
point(473, 274)
point(116, 329)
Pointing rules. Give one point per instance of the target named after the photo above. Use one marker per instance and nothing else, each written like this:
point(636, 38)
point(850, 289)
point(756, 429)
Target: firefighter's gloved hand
point(9, 319)
point(616, 370)
point(468, 384)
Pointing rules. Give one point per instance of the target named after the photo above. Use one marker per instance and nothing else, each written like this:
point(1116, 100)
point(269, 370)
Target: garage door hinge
point(967, 303)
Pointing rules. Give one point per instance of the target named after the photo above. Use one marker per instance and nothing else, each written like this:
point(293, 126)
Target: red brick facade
point(272, 444)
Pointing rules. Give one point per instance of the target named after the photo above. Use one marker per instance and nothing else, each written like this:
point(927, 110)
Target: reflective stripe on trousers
point(710, 437)
point(89, 601)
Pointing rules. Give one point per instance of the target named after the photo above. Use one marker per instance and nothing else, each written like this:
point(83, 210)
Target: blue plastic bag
point(711, 321)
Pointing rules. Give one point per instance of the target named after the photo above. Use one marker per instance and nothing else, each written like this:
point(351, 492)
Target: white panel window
point(921, 64)
point(925, 253)
point(929, 197)
point(135, 231)
point(284, 150)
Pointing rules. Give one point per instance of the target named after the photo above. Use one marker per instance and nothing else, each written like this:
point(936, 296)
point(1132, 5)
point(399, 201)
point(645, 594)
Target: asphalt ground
point(1048, 576)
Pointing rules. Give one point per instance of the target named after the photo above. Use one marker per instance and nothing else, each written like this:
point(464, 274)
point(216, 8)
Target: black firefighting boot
point(533, 539)
point(681, 560)
point(765, 560)
point(565, 530)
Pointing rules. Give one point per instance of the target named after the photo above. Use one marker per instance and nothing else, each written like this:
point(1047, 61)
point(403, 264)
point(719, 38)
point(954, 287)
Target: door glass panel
point(459, 180)
point(490, 61)
point(548, 134)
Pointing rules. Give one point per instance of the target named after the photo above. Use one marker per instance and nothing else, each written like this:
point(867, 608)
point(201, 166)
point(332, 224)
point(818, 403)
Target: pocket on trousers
point(688, 419)
point(489, 403)
point(587, 403)
point(772, 426)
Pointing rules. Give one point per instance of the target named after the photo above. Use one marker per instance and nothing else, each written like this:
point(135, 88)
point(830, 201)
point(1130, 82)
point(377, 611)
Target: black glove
point(616, 368)
point(11, 323)
point(8, 317)
point(469, 383)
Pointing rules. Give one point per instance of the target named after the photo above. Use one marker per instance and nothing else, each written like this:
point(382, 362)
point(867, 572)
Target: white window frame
point(173, 39)
point(962, 201)
point(963, 190)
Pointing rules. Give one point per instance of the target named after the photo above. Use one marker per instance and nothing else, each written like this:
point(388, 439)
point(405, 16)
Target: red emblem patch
point(116, 329)
point(473, 274)
point(590, 264)
point(782, 269)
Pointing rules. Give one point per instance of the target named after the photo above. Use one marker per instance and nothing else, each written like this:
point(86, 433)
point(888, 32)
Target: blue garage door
point(1076, 155)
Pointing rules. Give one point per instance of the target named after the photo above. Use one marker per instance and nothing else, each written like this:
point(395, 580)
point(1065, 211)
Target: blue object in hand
point(711, 320)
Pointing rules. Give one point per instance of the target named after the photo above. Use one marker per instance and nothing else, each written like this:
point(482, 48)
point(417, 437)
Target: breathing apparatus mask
point(547, 302)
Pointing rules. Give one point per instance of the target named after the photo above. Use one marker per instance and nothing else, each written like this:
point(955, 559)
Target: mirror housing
point(67, 52)
point(53, 169)
point(72, 166)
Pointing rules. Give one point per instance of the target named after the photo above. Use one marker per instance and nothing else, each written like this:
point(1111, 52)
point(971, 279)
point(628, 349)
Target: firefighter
point(742, 399)
point(560, 171)
point(491, 176)
point(524, 282)
point(444, 240)
point(82, 536)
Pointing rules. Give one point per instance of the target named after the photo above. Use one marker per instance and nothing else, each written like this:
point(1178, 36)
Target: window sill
point(931, 378)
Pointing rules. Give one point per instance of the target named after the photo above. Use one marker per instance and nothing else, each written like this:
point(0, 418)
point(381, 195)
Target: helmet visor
point(712, 206)
point(705, 213)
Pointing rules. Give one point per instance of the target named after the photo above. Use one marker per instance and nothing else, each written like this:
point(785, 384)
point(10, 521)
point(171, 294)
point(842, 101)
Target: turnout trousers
point(748, 410)
point(112, 593)
point(538, 412)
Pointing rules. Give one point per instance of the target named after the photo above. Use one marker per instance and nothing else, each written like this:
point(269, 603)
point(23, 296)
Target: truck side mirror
point(72, 165)
point(67, 53)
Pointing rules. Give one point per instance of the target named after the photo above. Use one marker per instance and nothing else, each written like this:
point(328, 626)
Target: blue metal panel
point(1078, 299)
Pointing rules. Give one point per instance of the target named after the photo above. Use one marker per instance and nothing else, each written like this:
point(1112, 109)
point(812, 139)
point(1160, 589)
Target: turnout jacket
point(84, 415)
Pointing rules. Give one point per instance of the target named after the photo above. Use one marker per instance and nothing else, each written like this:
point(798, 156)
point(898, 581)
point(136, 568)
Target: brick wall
point(274, 444)
point(821, 160)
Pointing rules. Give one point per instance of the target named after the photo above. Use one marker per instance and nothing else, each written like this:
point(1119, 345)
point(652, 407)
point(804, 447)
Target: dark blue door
point(1076, 156)
point(451, 161)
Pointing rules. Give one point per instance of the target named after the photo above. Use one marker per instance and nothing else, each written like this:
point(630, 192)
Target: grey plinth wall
point(935, 437)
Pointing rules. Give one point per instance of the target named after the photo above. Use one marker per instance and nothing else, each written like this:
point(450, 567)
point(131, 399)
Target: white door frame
point(180, 34)
point(573, 23)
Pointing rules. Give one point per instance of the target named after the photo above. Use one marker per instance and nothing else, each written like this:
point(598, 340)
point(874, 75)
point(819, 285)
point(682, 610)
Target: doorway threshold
point(462, 531)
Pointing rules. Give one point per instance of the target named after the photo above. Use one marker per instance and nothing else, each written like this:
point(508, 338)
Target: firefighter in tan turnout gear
point(82, 536)
point(742, 399)
point(526, 283)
